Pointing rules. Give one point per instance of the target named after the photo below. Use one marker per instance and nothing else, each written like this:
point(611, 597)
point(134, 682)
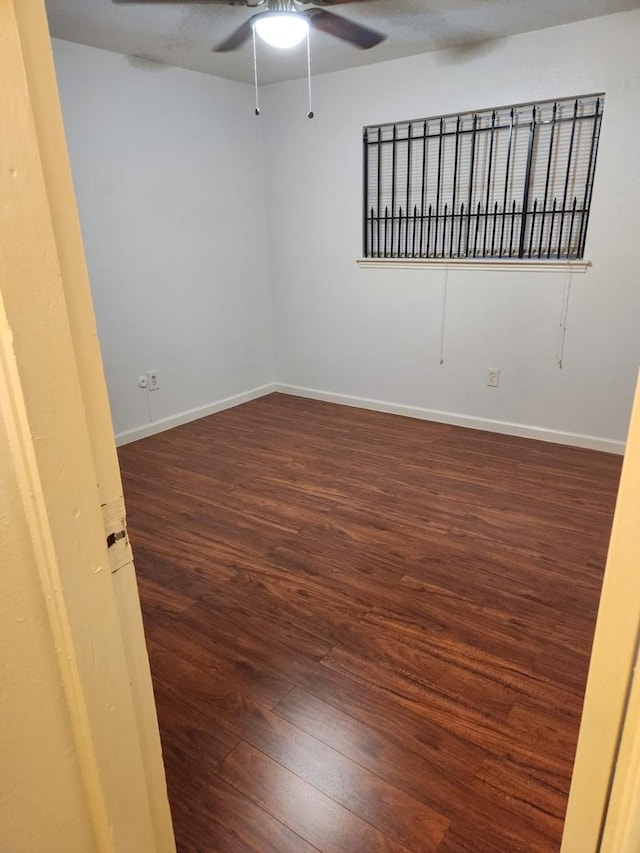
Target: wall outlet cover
point(154, 380)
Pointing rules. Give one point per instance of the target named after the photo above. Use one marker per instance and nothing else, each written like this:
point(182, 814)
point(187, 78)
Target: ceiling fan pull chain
point(255, 70)
point(310, 113)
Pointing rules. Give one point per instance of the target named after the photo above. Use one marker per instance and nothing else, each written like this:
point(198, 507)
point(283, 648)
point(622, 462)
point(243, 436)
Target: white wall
point(375, 334)
point(168, 172)
point(170, 179)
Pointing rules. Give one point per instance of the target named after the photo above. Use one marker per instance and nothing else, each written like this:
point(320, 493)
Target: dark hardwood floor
point(367, 633)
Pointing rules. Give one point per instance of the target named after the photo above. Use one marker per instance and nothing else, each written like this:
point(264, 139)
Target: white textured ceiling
point(184, 34)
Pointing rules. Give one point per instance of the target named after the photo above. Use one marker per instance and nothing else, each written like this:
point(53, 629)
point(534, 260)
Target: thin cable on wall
point(564, 311)
point(149, 409)
point(443, 324)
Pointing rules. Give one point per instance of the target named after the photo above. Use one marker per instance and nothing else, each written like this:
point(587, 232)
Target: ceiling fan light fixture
point(281, 29)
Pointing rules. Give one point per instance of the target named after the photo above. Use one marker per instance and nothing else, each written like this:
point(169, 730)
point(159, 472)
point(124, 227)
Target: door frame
point(54, 403)
point(611, 713)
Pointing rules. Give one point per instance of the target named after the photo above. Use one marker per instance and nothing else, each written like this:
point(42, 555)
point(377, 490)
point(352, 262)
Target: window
point(514, 182)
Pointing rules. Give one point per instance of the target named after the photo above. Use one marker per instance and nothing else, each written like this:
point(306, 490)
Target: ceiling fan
point(285, 23)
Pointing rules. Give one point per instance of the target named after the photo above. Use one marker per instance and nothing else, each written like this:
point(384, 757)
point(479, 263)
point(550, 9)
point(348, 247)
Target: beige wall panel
point(42, 800)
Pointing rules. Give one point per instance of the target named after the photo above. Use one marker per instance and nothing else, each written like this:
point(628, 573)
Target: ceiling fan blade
point(236, 39)
point(182, 2)
point(334, 25)
point(186, 2)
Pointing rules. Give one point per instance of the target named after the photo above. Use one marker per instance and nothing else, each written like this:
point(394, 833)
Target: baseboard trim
point(163, 424)
point(591, 442)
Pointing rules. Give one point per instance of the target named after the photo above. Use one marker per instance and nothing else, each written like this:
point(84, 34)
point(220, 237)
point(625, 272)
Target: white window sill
point(475, 264)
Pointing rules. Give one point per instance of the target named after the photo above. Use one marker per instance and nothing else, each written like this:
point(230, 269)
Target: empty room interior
point(368, 314)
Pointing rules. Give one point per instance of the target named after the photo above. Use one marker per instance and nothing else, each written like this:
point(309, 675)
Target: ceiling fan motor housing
point(281, 6)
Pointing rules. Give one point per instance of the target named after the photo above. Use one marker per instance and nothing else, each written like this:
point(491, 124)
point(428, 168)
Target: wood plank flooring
point(367, 633)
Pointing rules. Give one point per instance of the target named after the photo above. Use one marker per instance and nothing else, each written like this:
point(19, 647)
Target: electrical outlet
point(154, 380)
point(493, 377)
